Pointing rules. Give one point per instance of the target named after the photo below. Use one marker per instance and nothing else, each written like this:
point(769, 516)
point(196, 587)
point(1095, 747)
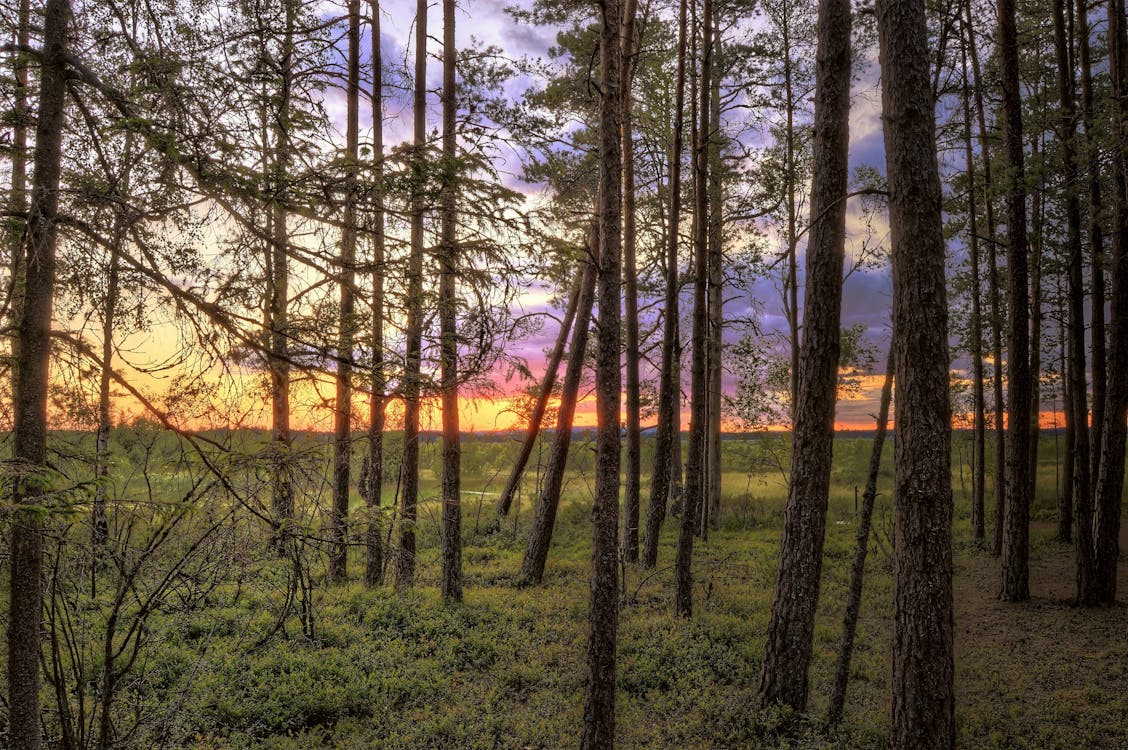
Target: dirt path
point(1042, 674)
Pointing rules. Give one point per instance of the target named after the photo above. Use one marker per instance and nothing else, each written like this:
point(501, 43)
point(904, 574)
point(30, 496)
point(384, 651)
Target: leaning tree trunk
point(451, 542)
point(1110, 481)
point(31, 377)
point(1016, 518)
point(923, 713)
point(978, 481)
point(783, 677)
point(861, 548)
point(695, 465)
point(413, 355)
point(342, 412)
point(603, 614)
point(544, 516)
point(669, 385)
point(373, 537)
point(548, 382)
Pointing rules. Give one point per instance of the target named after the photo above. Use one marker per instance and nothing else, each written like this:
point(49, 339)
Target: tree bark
point(342, 414)
point(373, 539)
point(695, 464)
point(412, 375)
point(669, 385)
point(544, 516)
point(1110, 481)
point(783, 677)
point(1016, 519)
point(923, 714)
point(603, 613)
point(548, 382)
point(451, 542)
point(712, 515)
point(31, 377)
point(978, 481)
point(861, 549)
point(633, 489)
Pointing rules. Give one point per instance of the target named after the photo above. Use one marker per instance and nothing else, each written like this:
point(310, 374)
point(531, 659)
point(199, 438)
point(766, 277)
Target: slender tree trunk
point(695, 464)
point(792, 286)
point(994, 290)
point(342, 415)
point(923, 715)
point(715, 294)
point(603, 614)
point(1037, 245)
point(544, 516)
point(451, 581)
point(632, 490)
point(1069, 472)
point(548, 382)
point(861, 548)
point(31, 376)
point(669, 385)
point(373, 539)
point(1016, 520)
point(412, 376)
point(282, 495)
point(783, 677)
point(102, 439)
point(17, 195)
point(1096, 241)
point(978, 481)
point(1110, 481)
point(1077, 410)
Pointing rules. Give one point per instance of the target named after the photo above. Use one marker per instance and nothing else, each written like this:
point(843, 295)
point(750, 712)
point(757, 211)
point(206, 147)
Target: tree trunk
point(342, 414)
point(978, 480)
point(716, 297)
point(603, 614)
point(1096, 241)
point(1016, 519)
point(544, 517)
point(548, 382)
point(451, 580)
point(695, 464)
point(413, 359)
point(923, 713)
point(783, 677)
point(17, 195)
point(1110, 481)
point(669, 386)
point(373, 539)
point(994, 290)
point(1037, 245)
point(1069, 472)
point(31, 376)
point(861, 548)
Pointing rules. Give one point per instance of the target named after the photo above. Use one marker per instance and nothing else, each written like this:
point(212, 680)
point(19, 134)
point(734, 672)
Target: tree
point(412, 377)
point(923, 714)
point(451, 583)
point(33, 477)
point(783, 676)
point(603, 615)
point(669, 385)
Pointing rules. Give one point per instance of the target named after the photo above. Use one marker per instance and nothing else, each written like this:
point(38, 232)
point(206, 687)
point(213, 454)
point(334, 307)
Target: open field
point(229, 664)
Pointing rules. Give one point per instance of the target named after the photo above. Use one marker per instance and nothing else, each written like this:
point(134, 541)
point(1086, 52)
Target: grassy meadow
point(243, 650)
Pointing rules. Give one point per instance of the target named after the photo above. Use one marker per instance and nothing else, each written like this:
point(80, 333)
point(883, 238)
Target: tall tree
point(342, 411)
point(783, 676)
point(669, 382)
point(695, 486)
point(1016, 518)
point(711, 509)
point(373, 541)
point(412, 375)
point(923, 714)
point(451, 582)
point(1110, 480)
point(31, 376)
point(632, 490)
point(598, 731)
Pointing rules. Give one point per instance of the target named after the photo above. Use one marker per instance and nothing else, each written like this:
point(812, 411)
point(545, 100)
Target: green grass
point(505, 669)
